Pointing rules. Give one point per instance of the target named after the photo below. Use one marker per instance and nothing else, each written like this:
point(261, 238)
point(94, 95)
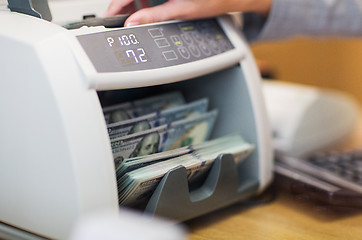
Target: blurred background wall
point(331, 63)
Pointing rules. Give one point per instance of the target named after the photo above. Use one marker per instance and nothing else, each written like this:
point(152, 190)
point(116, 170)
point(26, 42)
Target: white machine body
point(68, 11)
point(56, 161)
point(305, 119)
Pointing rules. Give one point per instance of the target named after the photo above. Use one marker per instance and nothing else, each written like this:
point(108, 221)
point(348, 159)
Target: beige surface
point(288, 217)
point(333, 63)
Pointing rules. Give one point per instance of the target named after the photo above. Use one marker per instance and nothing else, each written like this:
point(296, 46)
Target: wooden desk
point(287, 217)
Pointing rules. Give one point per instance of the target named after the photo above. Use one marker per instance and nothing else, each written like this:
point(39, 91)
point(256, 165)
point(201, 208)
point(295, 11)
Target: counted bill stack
point(153, 135)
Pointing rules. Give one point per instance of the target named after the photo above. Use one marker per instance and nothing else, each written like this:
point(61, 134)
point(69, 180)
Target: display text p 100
point(124, 48)
point(122, 40)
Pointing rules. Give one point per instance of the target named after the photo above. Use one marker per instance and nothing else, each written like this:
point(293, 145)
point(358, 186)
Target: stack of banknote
point(123, 111)
point(136, 186)
point(150, 136)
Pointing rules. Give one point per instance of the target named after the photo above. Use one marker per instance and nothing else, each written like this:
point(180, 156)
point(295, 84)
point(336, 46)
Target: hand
point(184, 9)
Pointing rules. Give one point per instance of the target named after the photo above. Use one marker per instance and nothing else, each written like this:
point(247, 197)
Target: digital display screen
point(127, 49)
point(132, 56)
point(154, 46)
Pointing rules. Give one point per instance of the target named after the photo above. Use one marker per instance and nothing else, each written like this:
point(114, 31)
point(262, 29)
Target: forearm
point(186, 9)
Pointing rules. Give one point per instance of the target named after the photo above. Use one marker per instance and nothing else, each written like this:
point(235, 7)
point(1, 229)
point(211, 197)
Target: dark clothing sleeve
point(320, 18)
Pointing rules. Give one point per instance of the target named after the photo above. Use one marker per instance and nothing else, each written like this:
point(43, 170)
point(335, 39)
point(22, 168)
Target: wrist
point(263, 7)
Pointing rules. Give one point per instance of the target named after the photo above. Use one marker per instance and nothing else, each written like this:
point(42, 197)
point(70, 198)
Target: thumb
point(166, 11)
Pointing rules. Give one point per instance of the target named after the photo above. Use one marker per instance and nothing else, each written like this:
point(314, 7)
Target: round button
point(184, 52)
point(197, 36)
point(176, 40)
point(195, 51)
point(187, 38)
point(205, 49)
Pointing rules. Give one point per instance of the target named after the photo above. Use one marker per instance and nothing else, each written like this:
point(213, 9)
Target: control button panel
point(156, 46)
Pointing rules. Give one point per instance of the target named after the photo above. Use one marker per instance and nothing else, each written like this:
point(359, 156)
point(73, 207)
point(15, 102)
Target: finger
point(163, 12)
point(118, 6)
point(128, 9)
point(144, 3)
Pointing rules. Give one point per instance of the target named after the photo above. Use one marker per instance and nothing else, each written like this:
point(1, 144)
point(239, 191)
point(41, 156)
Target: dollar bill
point(143, 186)
point(123, 111)
point(155, 119)
point(131, 164)
point(138, 185)
point(166, 137)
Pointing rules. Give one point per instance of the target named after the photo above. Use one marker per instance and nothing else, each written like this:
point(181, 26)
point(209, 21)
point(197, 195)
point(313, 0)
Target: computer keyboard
point(343, 169)
point(344, 165)
point(335, 173)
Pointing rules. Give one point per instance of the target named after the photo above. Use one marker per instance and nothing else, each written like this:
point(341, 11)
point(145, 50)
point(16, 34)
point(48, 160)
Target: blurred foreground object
point(305, 118)
point(126, 225)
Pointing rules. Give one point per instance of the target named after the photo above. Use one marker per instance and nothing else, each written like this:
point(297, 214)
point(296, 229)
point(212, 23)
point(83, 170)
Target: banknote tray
point(223, 186)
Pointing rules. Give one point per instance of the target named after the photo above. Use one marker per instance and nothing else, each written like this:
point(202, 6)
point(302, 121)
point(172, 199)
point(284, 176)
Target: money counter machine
point(56, 161)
